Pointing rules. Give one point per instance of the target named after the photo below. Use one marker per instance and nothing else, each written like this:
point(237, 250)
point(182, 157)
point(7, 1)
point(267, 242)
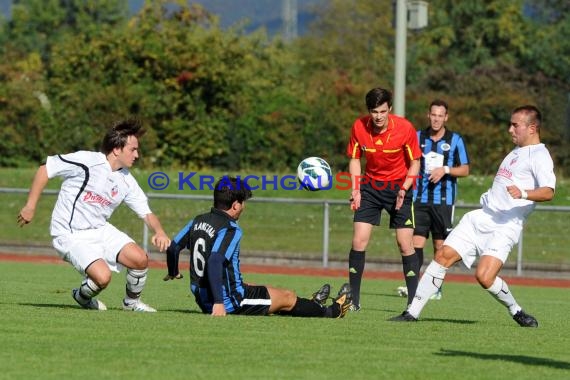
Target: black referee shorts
point(436, 219)
point(380, 197)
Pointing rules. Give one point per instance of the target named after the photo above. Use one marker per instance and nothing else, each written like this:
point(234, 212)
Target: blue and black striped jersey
point(207, 237)
point(450, 151)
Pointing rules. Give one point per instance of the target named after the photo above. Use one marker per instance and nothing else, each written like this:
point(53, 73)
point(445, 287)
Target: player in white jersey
point(94, 184)
point(525, 176)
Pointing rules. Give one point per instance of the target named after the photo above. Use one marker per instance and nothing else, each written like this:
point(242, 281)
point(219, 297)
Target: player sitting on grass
point(213, 240)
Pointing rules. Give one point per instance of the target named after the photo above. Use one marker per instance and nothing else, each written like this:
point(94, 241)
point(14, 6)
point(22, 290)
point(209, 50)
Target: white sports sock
point(500, 291)
point(430, 283)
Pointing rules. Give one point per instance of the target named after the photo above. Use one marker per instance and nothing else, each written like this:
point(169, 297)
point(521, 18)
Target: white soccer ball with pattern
point(314, 174)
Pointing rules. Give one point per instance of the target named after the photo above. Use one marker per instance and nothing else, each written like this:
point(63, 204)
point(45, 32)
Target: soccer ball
point(314, 174)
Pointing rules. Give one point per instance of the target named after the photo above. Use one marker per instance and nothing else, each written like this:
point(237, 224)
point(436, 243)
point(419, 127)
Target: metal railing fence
point(326, 206)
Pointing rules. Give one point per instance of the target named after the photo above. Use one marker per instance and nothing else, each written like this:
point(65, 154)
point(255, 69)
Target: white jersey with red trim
point(527, 168)
point(91, 191)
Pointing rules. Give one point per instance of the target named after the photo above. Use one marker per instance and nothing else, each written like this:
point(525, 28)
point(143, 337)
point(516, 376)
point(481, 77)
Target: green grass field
point(466, 335)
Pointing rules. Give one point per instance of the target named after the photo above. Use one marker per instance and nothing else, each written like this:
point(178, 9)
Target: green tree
point(37, 24)
point(29, 125)
point(348, 50)
point(210, 96)
point(483, 58)
point(228, 99)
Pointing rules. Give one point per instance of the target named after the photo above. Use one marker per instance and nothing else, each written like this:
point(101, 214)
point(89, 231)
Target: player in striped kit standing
point(444, 159)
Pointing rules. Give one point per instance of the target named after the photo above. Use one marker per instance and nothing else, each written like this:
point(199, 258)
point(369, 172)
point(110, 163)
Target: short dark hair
point(439, 103)
point(534, 116)
point(229, 190)
point(118, 133)
point(378, 96)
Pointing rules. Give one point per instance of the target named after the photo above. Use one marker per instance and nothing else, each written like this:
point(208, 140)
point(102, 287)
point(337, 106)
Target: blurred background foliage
point(228, 99)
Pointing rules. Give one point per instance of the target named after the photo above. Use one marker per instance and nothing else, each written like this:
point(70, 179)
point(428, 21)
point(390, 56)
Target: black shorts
point(380, 197)
point(256, 301)
point(436, 219)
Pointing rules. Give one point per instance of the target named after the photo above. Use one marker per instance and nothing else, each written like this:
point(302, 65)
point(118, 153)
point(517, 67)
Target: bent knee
point(102, 280)
point(291, 296)
point(134, 257)
point(488, 270)
point(485, 278)
point(140, 262)
point(446, 256)
point(282, 299)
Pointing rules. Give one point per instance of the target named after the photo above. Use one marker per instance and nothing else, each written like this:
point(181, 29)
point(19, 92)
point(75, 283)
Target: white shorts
point(480, 233)
point(82, 248)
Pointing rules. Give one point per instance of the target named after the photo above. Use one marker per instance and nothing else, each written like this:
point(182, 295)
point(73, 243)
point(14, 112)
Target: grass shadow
point(442, 320)
point(182, 311)
point(65, 306)
point(50, 305)
point(522, 359)
point(445, 320)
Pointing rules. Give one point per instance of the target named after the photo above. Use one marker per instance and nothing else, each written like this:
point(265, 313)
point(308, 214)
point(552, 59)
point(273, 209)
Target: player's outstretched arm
point(160, 240)
point(38, 184)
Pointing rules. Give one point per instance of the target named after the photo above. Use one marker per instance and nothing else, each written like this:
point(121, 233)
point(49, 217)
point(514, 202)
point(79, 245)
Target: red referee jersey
point(388, 154)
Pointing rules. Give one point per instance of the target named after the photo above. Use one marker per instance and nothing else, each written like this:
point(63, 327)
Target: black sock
point(307, 308)
point(420, 253)
point(356, 260)
point(410, 265)
point(333, 311)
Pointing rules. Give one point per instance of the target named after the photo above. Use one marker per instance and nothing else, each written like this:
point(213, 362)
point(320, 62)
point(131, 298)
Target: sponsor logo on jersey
point(92, 198)
point(504, 172)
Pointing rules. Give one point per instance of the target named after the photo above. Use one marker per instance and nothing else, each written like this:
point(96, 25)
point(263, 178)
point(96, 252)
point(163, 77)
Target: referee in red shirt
point(390, 146)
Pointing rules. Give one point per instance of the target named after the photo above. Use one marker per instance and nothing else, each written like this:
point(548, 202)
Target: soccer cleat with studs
point(402, 291)
point(344, 299)
point(354, 307)
point(91, 304)
point(139, 306)
point(322, 295)
point(524, 319)
point(404, 317)
point(437, 295)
